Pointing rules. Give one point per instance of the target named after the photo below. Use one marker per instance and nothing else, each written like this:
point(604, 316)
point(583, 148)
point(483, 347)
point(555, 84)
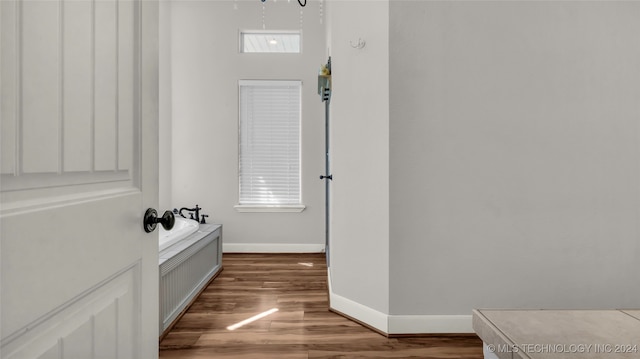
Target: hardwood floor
point(302, 326)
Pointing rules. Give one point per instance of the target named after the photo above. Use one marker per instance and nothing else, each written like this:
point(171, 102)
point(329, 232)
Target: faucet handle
point(203, 218)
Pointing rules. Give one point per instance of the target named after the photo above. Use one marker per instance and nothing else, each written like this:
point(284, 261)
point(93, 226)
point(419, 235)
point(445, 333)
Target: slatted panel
point(183, 276)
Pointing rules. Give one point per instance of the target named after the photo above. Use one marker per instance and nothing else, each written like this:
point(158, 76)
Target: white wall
point(206, 67)
point(360, 158)
point(514, 155)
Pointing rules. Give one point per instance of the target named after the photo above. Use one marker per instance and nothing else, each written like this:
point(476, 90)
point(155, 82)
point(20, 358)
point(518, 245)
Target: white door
point(79, 167)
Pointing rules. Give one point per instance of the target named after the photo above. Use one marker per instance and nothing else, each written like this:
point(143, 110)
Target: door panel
point(98, 324)
point(69, 70)
point(79, 167)
point(60, 251)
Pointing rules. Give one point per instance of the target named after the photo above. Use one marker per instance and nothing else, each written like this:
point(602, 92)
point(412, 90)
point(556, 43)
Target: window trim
point(265, 208)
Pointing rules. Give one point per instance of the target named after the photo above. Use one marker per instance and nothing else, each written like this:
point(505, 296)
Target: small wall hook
point(359, 45)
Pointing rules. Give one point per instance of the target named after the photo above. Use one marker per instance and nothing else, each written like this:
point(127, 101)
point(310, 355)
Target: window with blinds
point(269, 154)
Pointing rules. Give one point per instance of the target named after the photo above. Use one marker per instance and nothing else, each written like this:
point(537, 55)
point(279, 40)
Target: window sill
point(258, 208)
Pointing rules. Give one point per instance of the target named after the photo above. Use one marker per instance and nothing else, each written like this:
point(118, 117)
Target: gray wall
point(206, 66)
point(360, 152)
point(514, 155)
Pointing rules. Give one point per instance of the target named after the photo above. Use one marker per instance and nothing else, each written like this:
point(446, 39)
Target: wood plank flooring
point(302, 326)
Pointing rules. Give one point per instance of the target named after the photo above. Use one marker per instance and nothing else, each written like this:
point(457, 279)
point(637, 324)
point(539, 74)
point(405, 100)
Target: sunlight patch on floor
point(252, 319)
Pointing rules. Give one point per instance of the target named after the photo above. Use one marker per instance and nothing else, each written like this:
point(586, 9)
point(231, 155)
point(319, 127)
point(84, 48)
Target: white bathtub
point(183, 228)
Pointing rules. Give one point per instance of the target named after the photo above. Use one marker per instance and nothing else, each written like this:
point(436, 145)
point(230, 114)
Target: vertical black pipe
point(326, 97)
point(328, 177)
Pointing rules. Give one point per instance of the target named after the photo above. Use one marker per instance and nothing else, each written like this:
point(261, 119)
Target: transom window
point(270, 41)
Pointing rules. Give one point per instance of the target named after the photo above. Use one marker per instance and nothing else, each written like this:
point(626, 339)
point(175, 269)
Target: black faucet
point(196, 210)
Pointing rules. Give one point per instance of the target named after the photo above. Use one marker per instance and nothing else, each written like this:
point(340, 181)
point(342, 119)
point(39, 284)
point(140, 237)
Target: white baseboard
point(355, 310)
point(400, 324)
point(272, 248)
point(429, 324)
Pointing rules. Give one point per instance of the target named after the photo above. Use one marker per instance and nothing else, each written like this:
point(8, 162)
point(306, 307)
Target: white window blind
point(270, 142)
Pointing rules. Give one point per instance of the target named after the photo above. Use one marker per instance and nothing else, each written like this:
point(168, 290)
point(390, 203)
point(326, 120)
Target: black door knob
point(151, 220)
